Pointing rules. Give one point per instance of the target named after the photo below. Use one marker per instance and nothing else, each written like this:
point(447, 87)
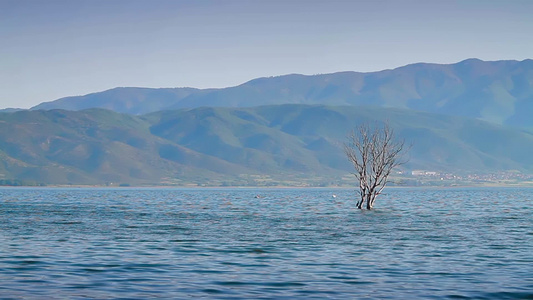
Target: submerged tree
point(374, 152)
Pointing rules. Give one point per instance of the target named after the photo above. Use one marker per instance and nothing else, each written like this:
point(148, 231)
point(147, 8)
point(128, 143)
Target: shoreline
point(80, 186)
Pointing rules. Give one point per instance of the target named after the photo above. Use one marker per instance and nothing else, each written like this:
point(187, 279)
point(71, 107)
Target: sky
point(57, 48)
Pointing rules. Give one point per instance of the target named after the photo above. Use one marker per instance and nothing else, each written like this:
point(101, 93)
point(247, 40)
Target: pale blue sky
point(55, 48)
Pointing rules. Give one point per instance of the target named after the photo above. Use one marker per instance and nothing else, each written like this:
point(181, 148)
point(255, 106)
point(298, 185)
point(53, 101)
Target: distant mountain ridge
point(130, 100)
point(238, 146)
point(500, 92)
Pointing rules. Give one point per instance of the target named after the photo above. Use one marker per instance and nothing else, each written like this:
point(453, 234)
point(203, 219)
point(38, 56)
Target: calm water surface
point(186, 243)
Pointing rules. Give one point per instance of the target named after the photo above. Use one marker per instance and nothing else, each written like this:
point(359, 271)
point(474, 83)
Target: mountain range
point(473, 116)
point(500, 92)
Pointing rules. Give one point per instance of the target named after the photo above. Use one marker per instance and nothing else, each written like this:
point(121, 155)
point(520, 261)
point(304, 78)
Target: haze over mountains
point(473, 116)
point(496, 91)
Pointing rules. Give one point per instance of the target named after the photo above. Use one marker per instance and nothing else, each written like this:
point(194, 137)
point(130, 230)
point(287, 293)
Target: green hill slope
point(95, 147)
point(218, 146)
point(311, 136)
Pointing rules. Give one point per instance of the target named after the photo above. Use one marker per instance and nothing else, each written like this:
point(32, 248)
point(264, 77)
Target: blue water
point(225, 243)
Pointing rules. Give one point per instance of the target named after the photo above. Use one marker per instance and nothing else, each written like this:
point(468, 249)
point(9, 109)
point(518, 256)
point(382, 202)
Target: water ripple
point(186, 243)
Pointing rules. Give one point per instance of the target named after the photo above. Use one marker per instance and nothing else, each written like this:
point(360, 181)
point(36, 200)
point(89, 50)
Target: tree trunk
point(370, 202)
point(360, 203)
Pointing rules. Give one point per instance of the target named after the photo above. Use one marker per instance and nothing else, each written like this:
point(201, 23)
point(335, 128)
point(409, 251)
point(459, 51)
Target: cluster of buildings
point(481, 177)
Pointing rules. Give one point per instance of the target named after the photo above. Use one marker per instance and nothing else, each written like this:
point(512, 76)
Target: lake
point(265, 243)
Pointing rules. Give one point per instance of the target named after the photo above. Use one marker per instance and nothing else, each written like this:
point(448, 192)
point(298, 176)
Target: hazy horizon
point(60, 48)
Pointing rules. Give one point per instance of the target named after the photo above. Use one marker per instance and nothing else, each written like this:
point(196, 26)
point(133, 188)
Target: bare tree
point(374, 152)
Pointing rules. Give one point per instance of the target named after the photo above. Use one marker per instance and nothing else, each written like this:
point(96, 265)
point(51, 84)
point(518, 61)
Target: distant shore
point(201, 186)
